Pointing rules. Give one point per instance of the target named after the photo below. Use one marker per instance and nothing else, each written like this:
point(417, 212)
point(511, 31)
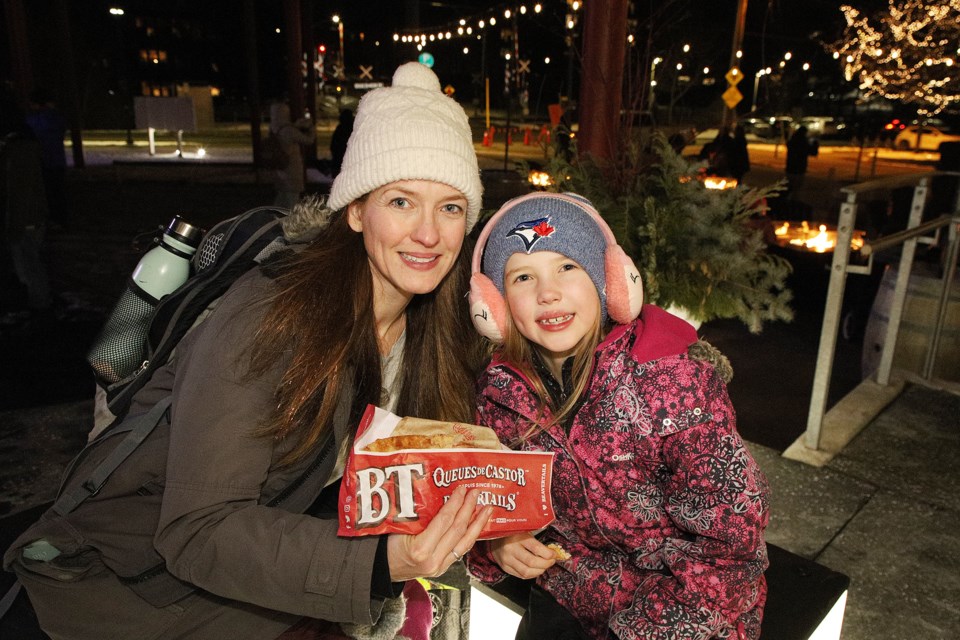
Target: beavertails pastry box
point(402, 470)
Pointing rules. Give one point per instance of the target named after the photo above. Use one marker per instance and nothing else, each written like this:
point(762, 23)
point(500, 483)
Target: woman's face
point(412, 231)
point(552, 301)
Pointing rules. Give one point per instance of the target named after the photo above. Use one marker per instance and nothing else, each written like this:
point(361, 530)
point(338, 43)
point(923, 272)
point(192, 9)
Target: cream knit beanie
point(409, 131)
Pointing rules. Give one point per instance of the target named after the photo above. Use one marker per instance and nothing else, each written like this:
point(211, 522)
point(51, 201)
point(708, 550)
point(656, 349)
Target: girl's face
point(552, 301)
point(412, 232)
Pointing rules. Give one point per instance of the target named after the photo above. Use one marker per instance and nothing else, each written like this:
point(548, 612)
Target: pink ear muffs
point(488, 309)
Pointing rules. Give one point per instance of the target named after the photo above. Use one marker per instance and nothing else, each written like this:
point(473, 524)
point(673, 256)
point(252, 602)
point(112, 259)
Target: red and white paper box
point(401, 491)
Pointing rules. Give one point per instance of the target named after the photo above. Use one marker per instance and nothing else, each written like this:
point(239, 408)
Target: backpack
point(272, 153)
point(109, 499)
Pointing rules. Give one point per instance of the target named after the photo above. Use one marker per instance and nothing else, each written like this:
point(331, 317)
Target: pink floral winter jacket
point(658, 502)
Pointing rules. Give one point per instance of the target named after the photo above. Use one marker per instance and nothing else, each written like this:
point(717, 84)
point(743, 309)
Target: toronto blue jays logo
point(532, 231)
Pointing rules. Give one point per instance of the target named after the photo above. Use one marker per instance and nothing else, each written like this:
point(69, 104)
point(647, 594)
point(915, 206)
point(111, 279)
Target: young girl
point(659, 505)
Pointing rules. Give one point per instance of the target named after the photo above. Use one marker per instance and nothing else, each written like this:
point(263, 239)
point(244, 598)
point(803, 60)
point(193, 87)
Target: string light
point(461, 27)
point(904, 54)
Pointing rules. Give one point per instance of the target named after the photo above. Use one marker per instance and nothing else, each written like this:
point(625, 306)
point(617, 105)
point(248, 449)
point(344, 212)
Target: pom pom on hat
point(409, 131)
point(414, 74)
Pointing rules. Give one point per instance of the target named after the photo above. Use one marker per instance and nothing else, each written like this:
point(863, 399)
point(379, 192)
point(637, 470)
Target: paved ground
point(885, 511)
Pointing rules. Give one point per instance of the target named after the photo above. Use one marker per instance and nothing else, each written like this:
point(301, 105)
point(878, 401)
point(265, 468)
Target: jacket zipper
point(306, 475)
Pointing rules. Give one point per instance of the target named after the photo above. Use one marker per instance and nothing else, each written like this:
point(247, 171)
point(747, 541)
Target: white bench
point(805, 601)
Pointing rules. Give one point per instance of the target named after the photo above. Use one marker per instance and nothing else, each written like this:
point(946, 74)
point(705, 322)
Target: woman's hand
point(449, 535)
point(522, 555)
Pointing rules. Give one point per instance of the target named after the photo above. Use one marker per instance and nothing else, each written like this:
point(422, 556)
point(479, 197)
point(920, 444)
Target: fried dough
point(464, 435)
point(396, 443)
point(559, 552)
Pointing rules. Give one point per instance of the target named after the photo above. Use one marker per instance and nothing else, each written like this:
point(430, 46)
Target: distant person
point(717, 153)
point(50, 127)
point(739, 158)
point(293, 137)
point(677, 142)
point(799, 150)
point(338, 143)
point(23, 204)
point(564, 137)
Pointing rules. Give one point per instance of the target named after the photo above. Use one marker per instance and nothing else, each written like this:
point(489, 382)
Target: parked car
point(826, 128)
point(929, 138)
point(769, 128)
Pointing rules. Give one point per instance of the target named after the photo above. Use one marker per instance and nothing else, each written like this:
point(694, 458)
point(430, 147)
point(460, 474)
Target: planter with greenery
point(700, 250)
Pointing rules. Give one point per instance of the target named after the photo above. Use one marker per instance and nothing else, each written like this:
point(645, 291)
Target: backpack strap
point(7, 601)
point(140, 427)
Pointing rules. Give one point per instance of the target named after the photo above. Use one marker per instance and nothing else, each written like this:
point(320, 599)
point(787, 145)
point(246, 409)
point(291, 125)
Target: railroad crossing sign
point(523, 66)
point(731, 97)
point(366, 72)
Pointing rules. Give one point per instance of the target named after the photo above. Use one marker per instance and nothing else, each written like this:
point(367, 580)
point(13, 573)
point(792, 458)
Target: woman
point(267, 391)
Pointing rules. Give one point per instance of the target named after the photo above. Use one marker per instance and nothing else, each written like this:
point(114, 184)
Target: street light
point(653, 83)
point(339, 23)
point(756, 86)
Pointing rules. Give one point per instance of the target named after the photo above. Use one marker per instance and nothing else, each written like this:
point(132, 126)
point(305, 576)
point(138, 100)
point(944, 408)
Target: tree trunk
point(19, 50)
point(253, 76)
point(601, 83)
point(294, 42)
point(71, 98)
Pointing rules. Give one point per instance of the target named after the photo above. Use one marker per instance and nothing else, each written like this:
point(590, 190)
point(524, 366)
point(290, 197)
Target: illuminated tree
point(906, 54)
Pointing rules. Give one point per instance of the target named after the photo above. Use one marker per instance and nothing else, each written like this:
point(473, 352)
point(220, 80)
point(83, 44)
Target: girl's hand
point(446, 539)
point(522, 555)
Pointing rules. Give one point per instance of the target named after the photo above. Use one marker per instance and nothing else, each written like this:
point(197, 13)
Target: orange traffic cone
point(488, 136)
point(544, 137)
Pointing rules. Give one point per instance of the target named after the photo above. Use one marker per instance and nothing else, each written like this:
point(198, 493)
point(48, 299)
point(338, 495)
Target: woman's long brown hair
point(322, 318)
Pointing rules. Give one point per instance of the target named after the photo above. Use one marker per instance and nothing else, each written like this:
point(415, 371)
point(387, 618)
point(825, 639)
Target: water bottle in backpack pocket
point(121, 347)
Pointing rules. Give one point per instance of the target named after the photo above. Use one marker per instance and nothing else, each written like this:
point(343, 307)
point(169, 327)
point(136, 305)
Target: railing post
point(831, 321)
point(951, 267)
point(903, 282)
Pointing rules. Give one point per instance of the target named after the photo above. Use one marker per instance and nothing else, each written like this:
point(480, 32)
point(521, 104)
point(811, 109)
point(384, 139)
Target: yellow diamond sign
point(734, 76)
point(731, 97)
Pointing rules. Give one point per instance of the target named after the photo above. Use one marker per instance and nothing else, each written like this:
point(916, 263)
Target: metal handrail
point(894, 239)
point(840, 267)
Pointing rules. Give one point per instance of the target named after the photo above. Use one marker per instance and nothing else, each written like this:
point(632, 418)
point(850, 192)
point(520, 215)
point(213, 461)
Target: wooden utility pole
point(601, 82)
point(19, 49)
point(309, 49)
point(294, 45)
point(70, 100)
point(253, 76)
point(730, 113)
